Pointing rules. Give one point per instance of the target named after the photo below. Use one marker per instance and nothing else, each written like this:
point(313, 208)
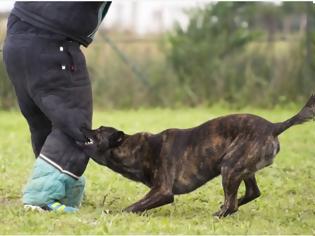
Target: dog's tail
point(307, 113)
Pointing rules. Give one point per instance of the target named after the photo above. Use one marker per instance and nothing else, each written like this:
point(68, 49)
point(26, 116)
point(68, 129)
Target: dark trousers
point(53, 88)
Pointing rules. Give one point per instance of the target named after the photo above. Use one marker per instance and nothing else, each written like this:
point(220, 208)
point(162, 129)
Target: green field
point(287, 204)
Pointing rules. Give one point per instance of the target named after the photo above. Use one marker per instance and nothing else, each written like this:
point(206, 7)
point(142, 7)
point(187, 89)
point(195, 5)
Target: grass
point(287, 204)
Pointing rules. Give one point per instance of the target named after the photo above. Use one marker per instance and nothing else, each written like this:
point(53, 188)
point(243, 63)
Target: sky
point(143, 16)
point(150, 15)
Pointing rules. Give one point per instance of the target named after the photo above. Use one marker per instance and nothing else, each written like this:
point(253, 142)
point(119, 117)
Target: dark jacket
point(75, 20)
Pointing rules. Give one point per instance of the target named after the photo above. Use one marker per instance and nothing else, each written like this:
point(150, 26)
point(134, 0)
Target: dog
point(177, 161)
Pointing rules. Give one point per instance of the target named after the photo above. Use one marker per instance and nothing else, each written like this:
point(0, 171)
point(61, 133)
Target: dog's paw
point(130, 209)
point(223, 212)
point(217, 214)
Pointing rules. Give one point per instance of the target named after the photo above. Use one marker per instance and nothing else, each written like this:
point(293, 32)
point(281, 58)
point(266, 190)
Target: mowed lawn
point(287, 204)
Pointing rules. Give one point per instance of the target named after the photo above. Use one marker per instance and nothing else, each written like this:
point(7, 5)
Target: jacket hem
point(43, 157)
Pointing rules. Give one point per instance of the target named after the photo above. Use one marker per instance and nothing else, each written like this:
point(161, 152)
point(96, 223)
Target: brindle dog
point(177, 161)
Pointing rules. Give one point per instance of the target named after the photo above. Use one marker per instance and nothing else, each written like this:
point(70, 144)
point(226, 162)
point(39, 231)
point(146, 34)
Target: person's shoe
point(33, 208)
point(58, 207)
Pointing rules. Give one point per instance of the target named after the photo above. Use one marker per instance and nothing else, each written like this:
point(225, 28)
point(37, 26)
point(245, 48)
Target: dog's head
point(100, 142)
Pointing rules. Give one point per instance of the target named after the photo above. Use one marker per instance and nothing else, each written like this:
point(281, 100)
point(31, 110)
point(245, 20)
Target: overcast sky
point(143, 15)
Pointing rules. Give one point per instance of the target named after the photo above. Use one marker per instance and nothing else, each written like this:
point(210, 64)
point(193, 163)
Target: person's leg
point(51, 179)
point(51, 189)
point(61, 88)
point(39, 124)
point(74, 192)
point(40, 127)
point(44, 186)
point(15, 57)
point(65, 99)
point(46, 183)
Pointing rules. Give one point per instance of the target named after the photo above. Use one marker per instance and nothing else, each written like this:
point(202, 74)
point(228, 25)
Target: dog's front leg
point(161, 191)
point(155, 198)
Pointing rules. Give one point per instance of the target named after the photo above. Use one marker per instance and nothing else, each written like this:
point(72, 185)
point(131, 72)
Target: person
point(48, 71)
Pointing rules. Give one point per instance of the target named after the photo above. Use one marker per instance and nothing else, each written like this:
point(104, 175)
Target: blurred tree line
point(246, 53)
point(234, 53)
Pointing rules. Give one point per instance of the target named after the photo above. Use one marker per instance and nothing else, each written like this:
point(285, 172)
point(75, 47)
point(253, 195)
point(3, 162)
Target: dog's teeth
point(89, 142)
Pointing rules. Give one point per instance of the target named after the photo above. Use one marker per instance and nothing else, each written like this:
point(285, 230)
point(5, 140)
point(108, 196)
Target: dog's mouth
point(89, 141)
point(89, 136)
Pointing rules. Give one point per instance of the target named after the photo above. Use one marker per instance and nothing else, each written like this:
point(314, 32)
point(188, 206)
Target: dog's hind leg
point(252, 191)
point(155, 198)
point(233, 171)
point(231, 182)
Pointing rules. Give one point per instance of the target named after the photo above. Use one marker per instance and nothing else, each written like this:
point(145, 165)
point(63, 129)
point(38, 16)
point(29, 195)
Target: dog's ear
point(116, 139)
